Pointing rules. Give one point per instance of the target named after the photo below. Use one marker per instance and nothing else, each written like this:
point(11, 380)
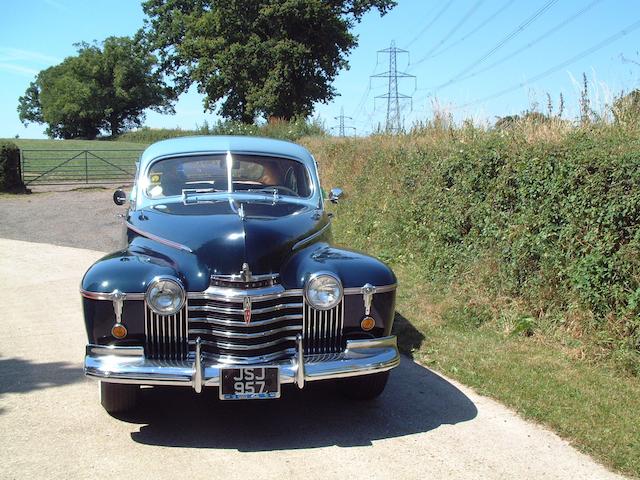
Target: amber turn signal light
point(119, 330)
point(367, 323)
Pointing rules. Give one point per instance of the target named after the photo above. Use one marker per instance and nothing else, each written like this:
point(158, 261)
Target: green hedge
point(10, 178)
point(283, 130)
point(552, 222)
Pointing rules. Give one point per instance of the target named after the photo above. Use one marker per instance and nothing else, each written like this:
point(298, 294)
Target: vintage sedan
point(228, 279)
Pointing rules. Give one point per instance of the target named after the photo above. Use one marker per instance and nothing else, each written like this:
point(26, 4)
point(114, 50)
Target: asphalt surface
point(52, 425)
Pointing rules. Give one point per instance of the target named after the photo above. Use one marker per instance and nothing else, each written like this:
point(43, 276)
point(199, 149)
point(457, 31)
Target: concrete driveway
point(52, 425)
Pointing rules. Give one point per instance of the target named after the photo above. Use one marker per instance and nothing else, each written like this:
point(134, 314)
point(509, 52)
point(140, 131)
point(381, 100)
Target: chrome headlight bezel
point(313, 281)
point(173, 283)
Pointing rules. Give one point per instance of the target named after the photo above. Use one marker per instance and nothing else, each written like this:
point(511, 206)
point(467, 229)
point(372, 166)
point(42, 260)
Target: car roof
point(224, 143)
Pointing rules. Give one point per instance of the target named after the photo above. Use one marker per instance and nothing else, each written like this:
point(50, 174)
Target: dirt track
point(52, 426)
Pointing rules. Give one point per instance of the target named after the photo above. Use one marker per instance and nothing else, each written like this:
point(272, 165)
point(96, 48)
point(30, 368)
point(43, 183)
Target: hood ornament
point(245, 273)
point(246, 308)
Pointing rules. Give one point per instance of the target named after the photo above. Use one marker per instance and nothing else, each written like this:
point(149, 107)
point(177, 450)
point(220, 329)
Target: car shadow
point(409, 337)
point(19, 376)
point(416, 400)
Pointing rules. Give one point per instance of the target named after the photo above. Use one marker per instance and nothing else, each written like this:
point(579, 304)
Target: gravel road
point(51, 424)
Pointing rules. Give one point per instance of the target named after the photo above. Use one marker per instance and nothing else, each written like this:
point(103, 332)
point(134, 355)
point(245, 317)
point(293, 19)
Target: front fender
point(125, 271)
point(353, 268)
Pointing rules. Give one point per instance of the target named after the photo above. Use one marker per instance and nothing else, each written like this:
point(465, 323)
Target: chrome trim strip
point(379, 289)
point(233, 323)
point(128, 365)
point(158, 239)
point(235, 346)
point(256, 294)
point(225, 294)
point(240, 311)
point(235, 277)
point(109, 296)
point(311, 237)
point(115, 350)
point(226, 334)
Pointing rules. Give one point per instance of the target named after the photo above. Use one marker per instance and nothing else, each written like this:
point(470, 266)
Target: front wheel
point(366, 387)
point(118, 397)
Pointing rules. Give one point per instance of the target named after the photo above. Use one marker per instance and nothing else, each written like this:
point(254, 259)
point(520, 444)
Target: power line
point(560, 66)
point(363, 98)
point(532, 43)
point(501, 9)
point(500, 44)
point(393, 97)
point(362, 102)
point(450, 33)
point(428, 25)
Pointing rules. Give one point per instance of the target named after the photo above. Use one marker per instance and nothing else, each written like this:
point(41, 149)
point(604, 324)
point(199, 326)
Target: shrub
point(10, 177)
point(550, 218)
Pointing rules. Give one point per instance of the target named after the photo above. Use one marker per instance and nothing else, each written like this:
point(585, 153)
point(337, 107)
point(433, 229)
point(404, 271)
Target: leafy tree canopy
point(102, 88)
point(274, 58)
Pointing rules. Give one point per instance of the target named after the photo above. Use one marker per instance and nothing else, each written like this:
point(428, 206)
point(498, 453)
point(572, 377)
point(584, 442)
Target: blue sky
point(446, 39)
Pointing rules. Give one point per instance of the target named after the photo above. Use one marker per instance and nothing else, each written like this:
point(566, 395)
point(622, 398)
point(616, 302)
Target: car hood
point(225, 234)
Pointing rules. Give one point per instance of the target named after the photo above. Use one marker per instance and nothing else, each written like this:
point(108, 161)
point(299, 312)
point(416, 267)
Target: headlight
point(323, 291)
point(165, 296)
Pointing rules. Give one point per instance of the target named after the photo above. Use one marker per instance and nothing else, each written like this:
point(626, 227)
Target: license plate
point(250, 383)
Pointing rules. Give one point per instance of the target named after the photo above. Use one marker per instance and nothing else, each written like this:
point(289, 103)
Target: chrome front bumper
point(129, 365)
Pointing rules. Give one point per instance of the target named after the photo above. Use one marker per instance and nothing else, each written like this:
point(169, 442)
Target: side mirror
point(119, 197)
point(335, 194)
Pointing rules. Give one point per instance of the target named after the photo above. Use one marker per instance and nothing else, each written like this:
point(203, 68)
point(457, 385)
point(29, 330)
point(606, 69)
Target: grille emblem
point(246, 306)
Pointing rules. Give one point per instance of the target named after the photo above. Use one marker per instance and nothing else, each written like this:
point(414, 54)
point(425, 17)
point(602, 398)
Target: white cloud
point(18, 54)
point(19, 69)
point(57, 5)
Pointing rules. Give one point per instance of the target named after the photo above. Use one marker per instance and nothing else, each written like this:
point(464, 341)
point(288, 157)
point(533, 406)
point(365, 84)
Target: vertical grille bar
point(322, 329)
point(166, 335)
point(147, 343)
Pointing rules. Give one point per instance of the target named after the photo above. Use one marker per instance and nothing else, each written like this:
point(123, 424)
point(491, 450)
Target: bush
point(548, 217)
point(10, 177)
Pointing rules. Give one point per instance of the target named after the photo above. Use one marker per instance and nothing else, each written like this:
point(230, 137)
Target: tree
point(103, 88)
point(274, 58)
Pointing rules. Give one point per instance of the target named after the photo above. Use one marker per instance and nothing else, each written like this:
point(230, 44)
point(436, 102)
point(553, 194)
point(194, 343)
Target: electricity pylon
point(394, 121)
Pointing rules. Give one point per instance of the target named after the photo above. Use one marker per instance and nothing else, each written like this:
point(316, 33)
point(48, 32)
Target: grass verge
point(590, 404)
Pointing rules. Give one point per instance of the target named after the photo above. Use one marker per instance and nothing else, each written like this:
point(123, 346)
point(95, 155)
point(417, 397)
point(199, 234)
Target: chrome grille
point(271, 333)
point(323, 329)
point(166, 335)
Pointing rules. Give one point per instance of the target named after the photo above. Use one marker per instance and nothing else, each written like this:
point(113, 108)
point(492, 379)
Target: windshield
point(227, 173)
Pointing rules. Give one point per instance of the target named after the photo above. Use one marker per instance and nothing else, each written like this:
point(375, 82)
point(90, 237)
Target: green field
point(83, 161)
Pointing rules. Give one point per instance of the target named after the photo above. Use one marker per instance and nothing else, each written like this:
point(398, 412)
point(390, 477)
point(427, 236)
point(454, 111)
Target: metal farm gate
point(60, 167)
